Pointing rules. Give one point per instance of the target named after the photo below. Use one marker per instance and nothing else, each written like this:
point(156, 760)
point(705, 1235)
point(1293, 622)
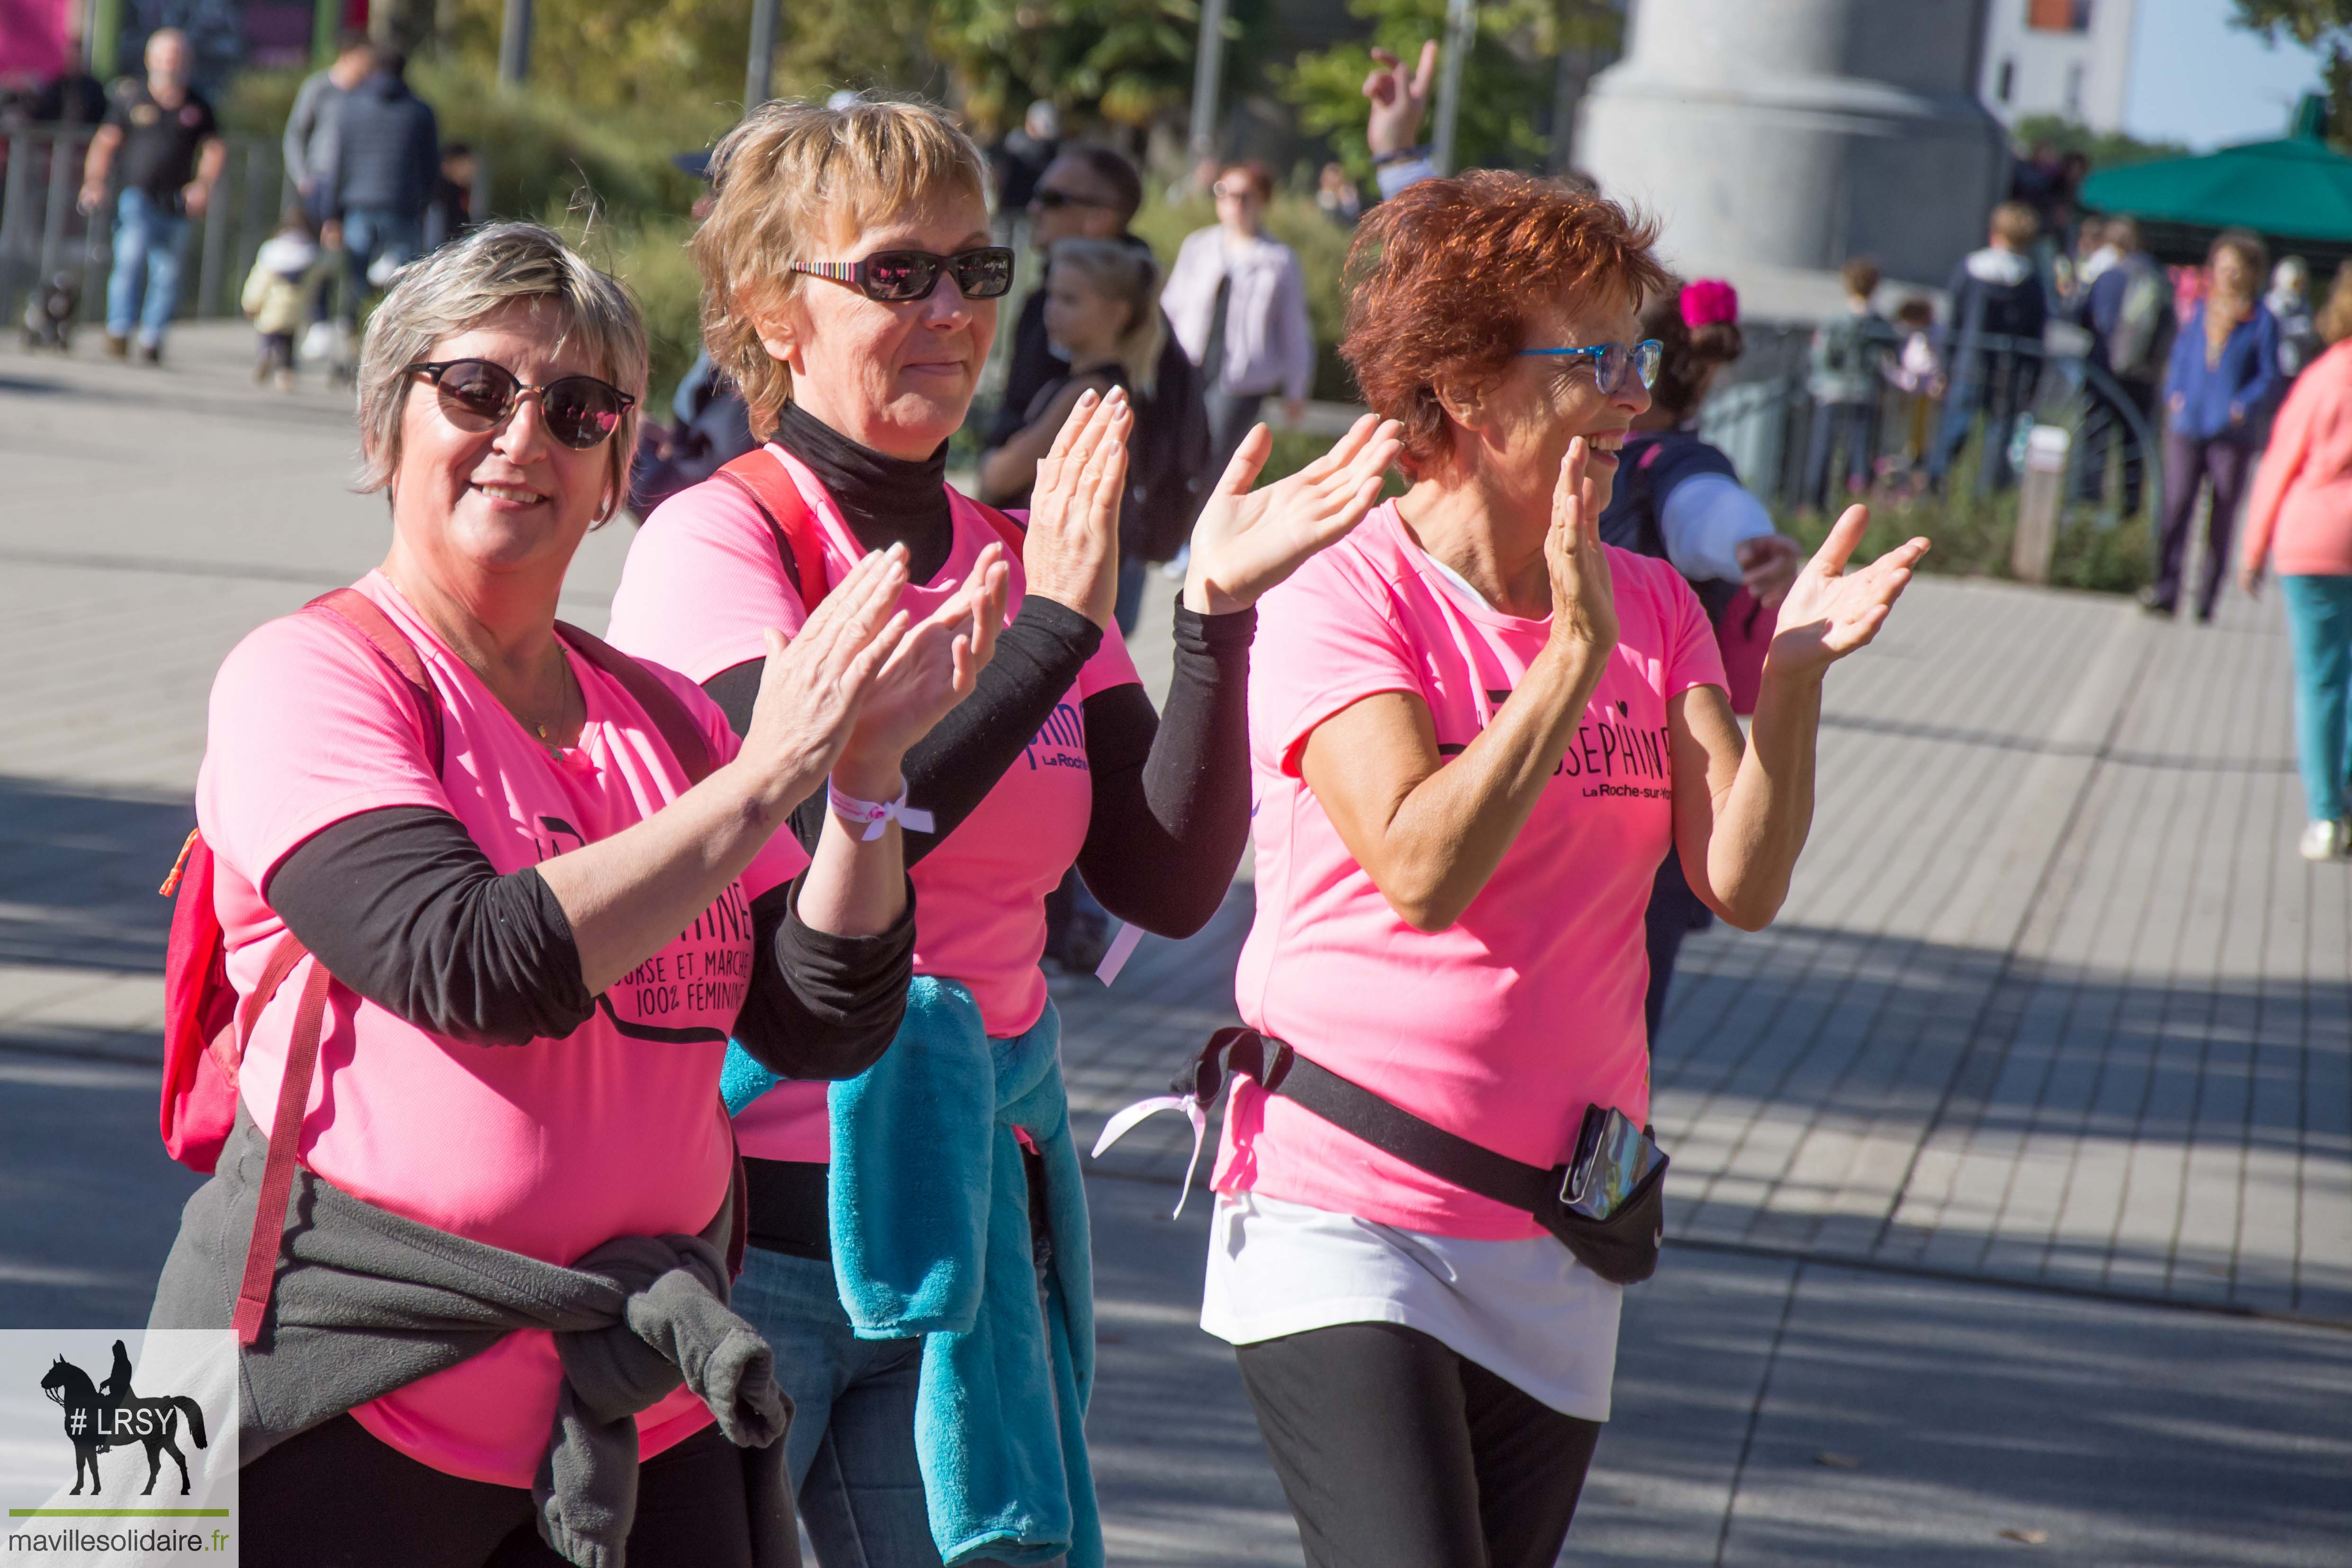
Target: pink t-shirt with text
point(704, 580)
point(548, 1149)
point(1506, 1026)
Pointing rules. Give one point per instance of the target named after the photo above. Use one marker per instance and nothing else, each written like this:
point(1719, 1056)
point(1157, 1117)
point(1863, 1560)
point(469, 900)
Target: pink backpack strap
point(285, 1128)
point(361, 614)
point(684, 737)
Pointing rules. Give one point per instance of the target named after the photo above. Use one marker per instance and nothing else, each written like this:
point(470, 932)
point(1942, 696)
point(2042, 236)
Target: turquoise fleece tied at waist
point(929, 1208)
point(929, 1218)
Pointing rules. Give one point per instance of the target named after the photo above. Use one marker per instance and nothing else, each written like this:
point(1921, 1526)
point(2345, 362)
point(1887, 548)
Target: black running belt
point(1353, 1109)
point(1622, 1249)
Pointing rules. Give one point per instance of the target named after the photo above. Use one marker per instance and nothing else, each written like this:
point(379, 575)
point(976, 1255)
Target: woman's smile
point(510, 497)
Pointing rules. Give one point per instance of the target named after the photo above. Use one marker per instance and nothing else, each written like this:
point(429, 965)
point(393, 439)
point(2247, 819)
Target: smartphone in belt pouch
point(1612, 1158)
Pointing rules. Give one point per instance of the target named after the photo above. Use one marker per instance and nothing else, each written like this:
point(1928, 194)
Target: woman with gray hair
point(529, 887)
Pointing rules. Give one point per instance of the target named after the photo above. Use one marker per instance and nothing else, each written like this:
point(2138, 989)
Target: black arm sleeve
point(820, 1005)
point(736, 690)
point(402, 905)
point(951, 771)
point(1172, 797)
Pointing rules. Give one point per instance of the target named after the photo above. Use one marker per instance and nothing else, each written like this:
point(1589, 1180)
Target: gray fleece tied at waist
point(367, 1302)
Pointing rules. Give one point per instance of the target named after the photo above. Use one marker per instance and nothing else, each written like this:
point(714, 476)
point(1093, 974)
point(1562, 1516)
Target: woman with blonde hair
point(2300, 522)
point(933, 1328)
point(494, 899)
point(1102, 315)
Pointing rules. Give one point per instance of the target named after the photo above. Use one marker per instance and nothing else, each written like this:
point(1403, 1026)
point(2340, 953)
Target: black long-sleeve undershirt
point(402, 907)
point(951, 771)
point(1171, 796)
point(1171, 800)
point(1171, 791)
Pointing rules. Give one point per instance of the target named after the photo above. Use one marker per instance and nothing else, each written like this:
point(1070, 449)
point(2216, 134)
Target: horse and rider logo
point(103, 1417)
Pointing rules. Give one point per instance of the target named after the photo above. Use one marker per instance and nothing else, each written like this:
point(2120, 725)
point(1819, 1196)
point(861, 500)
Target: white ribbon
point(1122, 948)
point(1119, 1125)
point(875, 814)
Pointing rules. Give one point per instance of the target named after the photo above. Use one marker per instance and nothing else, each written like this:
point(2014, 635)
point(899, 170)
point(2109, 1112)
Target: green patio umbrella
point(2294, 189)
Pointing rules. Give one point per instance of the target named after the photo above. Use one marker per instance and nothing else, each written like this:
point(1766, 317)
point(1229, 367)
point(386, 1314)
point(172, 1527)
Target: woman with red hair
point(1476, 731)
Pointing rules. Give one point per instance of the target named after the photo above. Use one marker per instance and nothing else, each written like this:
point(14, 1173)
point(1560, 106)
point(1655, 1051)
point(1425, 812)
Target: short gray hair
point(465, 283)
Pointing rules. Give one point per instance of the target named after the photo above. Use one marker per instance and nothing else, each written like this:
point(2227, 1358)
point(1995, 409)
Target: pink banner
point(33, 38)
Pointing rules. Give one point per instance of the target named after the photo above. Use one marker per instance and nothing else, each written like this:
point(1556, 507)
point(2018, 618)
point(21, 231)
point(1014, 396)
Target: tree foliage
point(1125, 61)
point(675, 55)
point(2322, 24)
point(1507, 83)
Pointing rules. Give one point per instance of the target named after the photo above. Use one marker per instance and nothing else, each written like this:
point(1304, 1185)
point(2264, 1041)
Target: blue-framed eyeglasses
point(1611, 360)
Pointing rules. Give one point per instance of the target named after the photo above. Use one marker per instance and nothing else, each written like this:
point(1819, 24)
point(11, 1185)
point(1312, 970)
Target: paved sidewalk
point(2013, 1168)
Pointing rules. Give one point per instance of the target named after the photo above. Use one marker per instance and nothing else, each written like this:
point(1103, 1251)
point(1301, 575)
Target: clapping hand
point(1829, 611)
point(934, 667)
point(1072, 552)
point(813, 685)
point(1399, 103)
point(1583, 593)
point(1246, 542)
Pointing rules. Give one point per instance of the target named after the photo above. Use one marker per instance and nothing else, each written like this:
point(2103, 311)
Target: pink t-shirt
point(705, 578)
point(1504, 1026)
point(548, 1149)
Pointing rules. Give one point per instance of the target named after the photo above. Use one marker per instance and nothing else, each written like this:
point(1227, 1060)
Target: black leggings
point(1397, 1453)
point(335, 1496)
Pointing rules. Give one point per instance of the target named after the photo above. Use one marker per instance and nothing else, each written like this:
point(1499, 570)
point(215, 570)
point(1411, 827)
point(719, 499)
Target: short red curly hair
point(1446, 277)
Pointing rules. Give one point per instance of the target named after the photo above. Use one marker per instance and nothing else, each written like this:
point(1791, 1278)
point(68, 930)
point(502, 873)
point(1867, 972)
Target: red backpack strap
point(285, 1128)
point(761, 475)
point(684, 737)
point(362, 614)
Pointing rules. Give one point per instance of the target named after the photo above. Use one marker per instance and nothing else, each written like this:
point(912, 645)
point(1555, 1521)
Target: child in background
point(1102, 314)
point(274, 295)
point(1918, 373)
point(1843, 376)
point(1102, 299)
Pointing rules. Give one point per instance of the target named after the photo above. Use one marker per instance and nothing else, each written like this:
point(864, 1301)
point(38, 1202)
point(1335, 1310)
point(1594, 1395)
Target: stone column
point(1776, 138)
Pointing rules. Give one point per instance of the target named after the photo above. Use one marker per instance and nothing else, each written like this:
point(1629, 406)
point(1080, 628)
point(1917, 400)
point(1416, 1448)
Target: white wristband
point(870, 815)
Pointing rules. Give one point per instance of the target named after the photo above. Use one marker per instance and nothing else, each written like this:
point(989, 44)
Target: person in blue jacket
point(2217, 387)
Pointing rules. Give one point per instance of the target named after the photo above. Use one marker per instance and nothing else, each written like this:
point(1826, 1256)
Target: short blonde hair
point(1128, 274)
point(784, 178)
point(2017, 224)
point(465, 283)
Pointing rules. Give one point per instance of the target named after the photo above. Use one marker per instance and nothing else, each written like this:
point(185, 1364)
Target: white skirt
point(1525, 1310)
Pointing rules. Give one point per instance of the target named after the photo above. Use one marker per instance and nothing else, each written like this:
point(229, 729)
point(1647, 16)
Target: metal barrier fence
point(44, 233)
point(1772, 427)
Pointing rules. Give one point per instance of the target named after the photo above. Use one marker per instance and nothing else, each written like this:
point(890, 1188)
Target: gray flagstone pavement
point(2012, 1209)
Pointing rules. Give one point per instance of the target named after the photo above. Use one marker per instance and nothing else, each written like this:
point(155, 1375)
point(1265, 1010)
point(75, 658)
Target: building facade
point(2067, 57)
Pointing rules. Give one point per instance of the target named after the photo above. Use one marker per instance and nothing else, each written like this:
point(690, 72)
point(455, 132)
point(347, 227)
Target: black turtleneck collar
point(886, 500)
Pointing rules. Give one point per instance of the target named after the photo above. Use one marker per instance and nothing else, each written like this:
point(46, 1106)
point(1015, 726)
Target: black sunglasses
point(1046, 200)
point(895, 276)
point(478, 395)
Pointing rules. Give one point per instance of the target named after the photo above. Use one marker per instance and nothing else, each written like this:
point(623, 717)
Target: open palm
point(1247, 541)
point(935, 663)
point(1829, 611)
